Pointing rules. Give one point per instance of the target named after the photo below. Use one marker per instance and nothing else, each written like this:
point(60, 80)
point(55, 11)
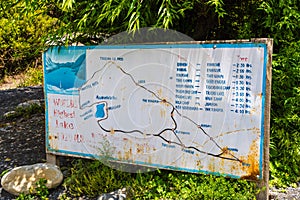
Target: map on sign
point(187, 107)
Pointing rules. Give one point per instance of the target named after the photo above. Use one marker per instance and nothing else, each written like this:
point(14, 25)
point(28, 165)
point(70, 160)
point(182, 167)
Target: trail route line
point(193, 108)
point(223, 150)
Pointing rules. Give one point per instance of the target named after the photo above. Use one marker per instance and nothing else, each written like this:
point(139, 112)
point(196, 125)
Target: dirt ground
point(22, 140)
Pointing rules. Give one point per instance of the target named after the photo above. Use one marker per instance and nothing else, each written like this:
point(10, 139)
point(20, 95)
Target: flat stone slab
point(23, 179)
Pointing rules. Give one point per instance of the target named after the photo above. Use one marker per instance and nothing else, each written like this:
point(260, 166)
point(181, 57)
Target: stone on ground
point(24, 178)
point(115, 195)
point(30, 103)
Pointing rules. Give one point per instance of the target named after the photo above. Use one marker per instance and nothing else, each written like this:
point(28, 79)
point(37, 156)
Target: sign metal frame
point(263, 181)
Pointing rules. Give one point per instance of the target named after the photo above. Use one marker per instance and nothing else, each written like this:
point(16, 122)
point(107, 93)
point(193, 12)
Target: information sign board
point(188, 107)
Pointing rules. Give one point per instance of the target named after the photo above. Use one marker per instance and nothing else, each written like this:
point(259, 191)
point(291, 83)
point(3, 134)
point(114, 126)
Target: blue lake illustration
point(100, 110)
point(64, 69)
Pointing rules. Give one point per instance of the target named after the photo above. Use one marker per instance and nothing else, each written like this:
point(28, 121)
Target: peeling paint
point(198, 164)
point(128, 154)
point(112, 131)
point(254, 129)
point(212, 165)
point(162, 113)
point(252, 171)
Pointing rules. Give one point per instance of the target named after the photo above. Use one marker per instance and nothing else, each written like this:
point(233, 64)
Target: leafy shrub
point(93, 178)
point(25, 111)
point(21, 43)
point(22, 38)
point(41, 192)
point(285, 119)
point(32, 76)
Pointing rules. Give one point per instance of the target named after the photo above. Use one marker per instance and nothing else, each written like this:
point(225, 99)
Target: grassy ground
point(30, 77)
point(88, 177)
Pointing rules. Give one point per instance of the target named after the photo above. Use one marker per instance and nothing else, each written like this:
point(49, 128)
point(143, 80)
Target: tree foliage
point(285, 123)
point(21, 37)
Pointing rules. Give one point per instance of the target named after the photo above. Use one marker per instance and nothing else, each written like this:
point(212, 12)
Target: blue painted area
point(46, 121)
point(64, 78)
point(167, 46)
point(246, 164)
point(264, 78)
point(233, 149)
point(100, 110)
point(64, 69)
point(46, 109)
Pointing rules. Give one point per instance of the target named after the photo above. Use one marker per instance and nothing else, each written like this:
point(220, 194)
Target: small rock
point(29, 103)
point(22, 179)
point(8, 114)
point(115, 195)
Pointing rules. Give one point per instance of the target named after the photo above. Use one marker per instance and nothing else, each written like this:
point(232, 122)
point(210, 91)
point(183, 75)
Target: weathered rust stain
point(252, 171)
point(233, 167)
point(139, 148)
point(162, 113)
point(198, 164)
point(149, 159)
point(119, 155)
point(142, 148)
point(159, 92)
point(112, 131)
point(260, 95)
point(148, 149)
point(224, 150)
point(254, 129)
point(252, 111)
point(128, 154)
point(165, 102)
point(53, 141)
point(211, 165)
point(249, 164)
point(223, 163)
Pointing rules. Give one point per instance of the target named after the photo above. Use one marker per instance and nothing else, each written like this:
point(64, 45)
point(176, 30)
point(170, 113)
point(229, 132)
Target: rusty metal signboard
point(189, 107)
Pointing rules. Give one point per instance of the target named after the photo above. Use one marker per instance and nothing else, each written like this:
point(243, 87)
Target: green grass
point(92, 178)
point(39, 192)
point(32, 76)
point(26, 111)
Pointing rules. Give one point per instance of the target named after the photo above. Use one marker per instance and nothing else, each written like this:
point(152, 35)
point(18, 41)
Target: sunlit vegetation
point(28, 27)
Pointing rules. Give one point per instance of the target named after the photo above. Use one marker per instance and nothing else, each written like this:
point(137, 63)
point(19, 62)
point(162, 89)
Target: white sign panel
point(188, 107)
